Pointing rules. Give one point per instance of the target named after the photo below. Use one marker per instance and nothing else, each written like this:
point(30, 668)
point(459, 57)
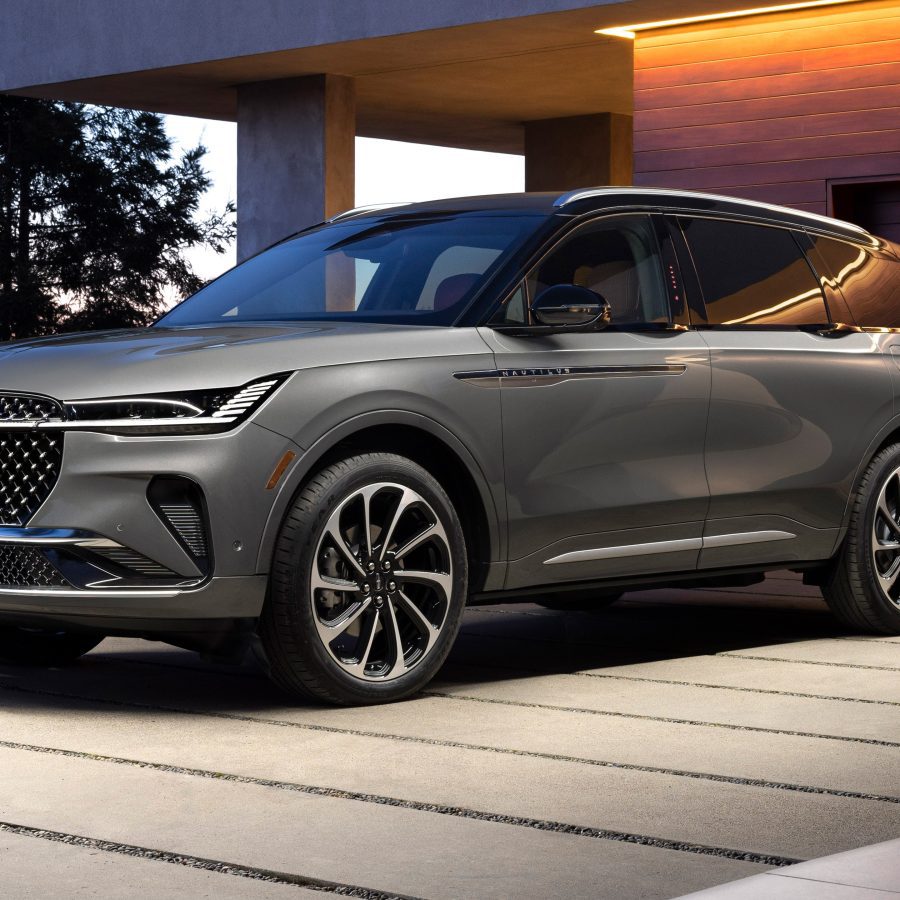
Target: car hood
point(118, 363)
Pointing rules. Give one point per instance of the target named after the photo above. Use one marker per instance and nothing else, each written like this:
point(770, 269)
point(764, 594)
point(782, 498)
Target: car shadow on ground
point(495, 644)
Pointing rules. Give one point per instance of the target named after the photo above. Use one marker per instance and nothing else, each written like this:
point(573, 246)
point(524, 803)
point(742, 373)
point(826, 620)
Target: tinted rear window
point(753, 274)
point(869, 282)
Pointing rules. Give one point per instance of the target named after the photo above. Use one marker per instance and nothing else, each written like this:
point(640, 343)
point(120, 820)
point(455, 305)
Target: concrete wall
point(45, 41)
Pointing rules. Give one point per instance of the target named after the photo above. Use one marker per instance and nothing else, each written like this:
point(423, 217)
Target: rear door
point(603, 431)
point(793, 403)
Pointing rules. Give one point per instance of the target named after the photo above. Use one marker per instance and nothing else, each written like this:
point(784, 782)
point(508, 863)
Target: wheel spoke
point(333, 531)
point(398, 666)
point(432, 579)
point(889, 578)
point(367, 494)
point(419, 619)
point(329, 631)
point(366, 639)
point(435, 530)
point(327, 583)
point(886, 513)
point(407, 498)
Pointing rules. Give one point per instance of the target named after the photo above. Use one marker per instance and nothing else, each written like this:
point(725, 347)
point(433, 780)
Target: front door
point(603, 431)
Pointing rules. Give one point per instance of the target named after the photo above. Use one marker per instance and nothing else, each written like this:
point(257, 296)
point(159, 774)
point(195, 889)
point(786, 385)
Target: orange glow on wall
point(629, 31)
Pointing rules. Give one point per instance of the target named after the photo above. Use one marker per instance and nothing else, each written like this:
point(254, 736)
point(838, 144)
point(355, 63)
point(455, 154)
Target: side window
point(869, 282)
point(617, 258)
point(753, 274)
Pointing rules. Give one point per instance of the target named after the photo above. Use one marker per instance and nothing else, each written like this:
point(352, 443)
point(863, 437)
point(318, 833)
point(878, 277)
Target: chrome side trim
point(745, 537)
point(112, 594)
point(626, 550)
point(587, 193)
point(557, 375)
point(73, 537)
point(676, 546)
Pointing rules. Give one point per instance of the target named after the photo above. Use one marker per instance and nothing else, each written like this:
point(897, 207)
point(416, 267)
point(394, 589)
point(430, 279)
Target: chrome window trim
point(587, 193)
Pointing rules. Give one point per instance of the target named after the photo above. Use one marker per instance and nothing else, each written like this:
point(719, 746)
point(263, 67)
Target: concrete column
point(578, 151)
point(295, 156)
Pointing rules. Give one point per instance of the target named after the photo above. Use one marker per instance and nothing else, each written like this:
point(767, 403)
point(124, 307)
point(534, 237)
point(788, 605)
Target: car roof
point(586, 200)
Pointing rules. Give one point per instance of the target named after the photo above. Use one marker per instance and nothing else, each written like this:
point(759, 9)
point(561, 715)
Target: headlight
point(190, 412)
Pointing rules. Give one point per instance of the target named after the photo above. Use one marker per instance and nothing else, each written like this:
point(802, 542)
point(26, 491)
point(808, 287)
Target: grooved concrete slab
point(384, 848)
point(35, 869)
point(484, 792)
point(743, 816)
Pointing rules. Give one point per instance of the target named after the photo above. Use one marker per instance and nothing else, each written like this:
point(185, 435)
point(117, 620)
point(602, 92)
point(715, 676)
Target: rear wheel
point(368, 584)
point(863, 586)
point(41, 647)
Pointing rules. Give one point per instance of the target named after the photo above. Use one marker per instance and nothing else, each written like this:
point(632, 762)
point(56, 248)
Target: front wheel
point(862, 587)
point(42, 647)
point(368, 583)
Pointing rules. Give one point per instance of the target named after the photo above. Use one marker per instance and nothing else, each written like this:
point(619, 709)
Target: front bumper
point(62, 565)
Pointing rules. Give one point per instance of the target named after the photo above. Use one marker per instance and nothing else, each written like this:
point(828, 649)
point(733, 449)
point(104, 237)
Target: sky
point(386, 171)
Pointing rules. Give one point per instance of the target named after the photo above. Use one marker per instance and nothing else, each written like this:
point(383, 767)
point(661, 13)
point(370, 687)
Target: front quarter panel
point(320, 406)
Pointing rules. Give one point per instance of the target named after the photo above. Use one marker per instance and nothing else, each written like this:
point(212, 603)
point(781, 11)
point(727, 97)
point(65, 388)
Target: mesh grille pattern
point(27, 567)
point(22, 408)
point(29, 468)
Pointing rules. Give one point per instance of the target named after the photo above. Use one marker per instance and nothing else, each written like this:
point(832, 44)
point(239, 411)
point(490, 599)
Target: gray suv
point(325, 453)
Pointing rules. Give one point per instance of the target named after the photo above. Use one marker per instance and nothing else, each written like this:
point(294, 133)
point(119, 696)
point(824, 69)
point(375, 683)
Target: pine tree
point(95, 217)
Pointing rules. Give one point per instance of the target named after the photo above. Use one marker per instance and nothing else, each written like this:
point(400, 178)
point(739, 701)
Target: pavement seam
point(727, 687)
point(877, 742)
point(457, 664)
point(459, 745)
point(199, 862)
point(462, 812)
point(813, 662)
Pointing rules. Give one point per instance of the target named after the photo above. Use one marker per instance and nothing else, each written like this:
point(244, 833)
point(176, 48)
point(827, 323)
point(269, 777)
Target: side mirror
point(568, 306)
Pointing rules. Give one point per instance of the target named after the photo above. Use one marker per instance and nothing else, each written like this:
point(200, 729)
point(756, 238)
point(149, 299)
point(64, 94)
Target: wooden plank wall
point(771, 107)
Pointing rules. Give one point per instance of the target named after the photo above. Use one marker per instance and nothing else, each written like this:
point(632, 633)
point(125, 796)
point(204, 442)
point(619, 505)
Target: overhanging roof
point(465, 74)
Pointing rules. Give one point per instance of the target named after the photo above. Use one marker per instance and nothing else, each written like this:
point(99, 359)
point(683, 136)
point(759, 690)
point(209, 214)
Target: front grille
point(27, 408)
point(27, 567)
point(29, 468)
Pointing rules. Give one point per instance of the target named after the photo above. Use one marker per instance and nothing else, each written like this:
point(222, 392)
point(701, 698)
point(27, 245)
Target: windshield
point(410, 270)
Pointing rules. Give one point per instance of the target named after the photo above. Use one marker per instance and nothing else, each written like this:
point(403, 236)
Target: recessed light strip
point(630, 31)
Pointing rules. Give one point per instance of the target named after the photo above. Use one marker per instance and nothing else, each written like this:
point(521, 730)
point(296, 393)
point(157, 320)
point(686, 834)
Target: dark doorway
point(874, 204)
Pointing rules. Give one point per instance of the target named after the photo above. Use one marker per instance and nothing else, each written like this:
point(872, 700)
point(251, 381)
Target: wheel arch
point(432, 446)
point(889, 434)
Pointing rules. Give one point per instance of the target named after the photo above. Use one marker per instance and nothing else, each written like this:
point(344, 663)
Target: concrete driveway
point(677, 740)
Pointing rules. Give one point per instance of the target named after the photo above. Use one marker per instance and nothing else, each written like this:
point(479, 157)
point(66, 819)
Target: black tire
point(578, 601)
point(39, 647)
point(852, 587)
point(307, 665)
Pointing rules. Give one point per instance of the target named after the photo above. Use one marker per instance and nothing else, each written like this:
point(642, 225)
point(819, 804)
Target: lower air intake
point(179, 503)
point(27, 567)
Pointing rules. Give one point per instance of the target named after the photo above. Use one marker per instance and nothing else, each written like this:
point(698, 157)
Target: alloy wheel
point(886, 538)
point(381, 581)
